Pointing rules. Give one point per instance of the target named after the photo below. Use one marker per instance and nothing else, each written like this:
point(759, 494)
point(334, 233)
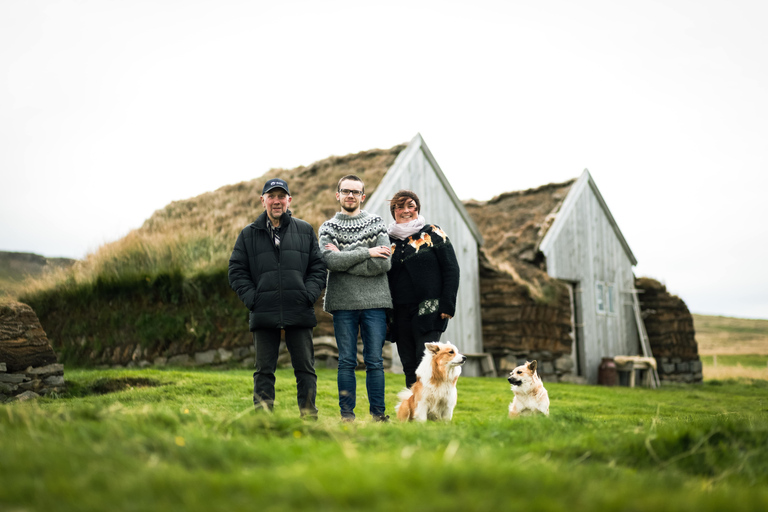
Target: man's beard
point(349, 208)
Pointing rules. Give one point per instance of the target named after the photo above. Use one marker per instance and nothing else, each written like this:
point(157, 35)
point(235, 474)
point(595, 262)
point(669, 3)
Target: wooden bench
point(634, 365)
point(487, 367)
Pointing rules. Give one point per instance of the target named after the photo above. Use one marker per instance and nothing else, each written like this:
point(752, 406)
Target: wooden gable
point(585, 247)
point(416, 169)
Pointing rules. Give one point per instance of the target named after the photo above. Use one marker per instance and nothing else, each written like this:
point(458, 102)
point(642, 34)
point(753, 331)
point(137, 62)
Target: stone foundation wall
point(326, 356)
point(229, 349)
point(31, 382)
point(675, 369)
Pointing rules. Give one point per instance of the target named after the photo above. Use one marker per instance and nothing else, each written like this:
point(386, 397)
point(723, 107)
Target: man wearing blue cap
point(278, 272)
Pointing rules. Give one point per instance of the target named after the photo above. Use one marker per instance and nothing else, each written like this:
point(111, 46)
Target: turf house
point(559, 287)
point(545, 274)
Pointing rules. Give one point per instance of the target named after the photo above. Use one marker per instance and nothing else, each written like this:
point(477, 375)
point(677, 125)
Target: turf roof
point(228, 209)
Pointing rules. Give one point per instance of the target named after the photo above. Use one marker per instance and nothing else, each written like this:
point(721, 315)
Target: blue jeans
point(372, 325)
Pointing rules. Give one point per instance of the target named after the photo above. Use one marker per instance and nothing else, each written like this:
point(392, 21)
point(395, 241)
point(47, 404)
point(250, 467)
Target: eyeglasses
point(346, 192)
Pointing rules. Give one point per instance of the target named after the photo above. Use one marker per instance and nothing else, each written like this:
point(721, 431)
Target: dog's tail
point(404, 407)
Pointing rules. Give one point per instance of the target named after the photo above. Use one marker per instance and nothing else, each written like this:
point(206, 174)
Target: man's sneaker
point(262, 407)
point(381, 418)
point(308, 414)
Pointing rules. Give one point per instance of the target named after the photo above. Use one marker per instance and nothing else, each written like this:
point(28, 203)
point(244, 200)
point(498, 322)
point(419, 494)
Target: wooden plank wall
point(586, 250)
point(416, 173)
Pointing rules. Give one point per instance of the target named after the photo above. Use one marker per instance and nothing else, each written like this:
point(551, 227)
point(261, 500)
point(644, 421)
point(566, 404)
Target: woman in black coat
point(423, 281)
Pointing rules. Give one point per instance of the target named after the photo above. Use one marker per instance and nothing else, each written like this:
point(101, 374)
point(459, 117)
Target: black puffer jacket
point(278, 286)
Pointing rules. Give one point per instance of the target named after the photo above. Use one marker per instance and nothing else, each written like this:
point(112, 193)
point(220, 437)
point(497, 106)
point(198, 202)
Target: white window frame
point(600, 297)
point(610, 289)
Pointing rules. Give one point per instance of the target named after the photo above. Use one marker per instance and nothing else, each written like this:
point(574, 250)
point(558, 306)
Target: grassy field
point(730, 336)
point(732, 347)
point(190, 440)
point(747, 360)
point(732, 366)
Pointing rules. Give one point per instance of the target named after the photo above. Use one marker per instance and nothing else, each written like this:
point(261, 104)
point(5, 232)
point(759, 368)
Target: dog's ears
point(532, 366)
point(432, 347)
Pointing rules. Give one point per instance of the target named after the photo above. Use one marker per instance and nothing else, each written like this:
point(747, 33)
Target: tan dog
point(530, 395)
point(433, 396)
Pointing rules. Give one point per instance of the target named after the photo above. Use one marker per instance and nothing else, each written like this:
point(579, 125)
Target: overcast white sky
point(109, 110)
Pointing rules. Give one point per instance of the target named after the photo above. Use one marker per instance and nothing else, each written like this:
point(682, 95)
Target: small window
point(599, 287)
point(611, 298)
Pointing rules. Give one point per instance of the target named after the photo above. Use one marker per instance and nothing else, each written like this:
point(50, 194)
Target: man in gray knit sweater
point(355, 247)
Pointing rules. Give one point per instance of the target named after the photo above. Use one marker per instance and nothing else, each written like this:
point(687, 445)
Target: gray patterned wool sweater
point(355, 279)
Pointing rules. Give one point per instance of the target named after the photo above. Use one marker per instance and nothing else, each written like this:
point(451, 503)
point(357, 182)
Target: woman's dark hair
point(400, 198)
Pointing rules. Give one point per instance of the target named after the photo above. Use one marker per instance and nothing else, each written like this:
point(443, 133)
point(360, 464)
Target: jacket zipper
point(280, 283)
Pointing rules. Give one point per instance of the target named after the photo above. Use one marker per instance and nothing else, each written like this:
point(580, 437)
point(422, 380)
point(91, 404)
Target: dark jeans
point(372, 325)
point(299, 343)
point(410, 340)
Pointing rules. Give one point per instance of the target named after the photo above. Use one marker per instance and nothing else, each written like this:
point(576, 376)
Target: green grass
point(191, 441)
point(83, 320)
point(745, 360)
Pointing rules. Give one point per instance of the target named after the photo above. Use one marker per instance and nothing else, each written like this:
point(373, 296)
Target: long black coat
point(425, 272)
point(278, 286)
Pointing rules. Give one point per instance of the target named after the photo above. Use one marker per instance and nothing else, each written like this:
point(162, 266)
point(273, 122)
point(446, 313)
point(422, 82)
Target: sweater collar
point(347, 218)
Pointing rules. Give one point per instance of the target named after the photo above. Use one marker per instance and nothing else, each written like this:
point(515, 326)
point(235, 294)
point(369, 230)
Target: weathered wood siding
point(415, 169)
point(584, 246)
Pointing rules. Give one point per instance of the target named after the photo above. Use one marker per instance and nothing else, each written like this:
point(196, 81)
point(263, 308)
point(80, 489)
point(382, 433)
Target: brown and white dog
point(530, 395)
point(433, 396)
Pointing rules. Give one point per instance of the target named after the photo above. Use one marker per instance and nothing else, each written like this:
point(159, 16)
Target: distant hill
point(16, 267)
point(726, 335)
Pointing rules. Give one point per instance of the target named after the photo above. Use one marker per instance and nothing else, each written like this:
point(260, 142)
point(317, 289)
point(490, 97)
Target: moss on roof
point(513, 225)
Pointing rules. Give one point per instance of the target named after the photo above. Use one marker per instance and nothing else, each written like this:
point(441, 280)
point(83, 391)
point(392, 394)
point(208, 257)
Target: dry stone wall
point(518, 328)
point(234, 347)
point(326, 356)
point(28, 366)
point(671, 333)
point(31, 382)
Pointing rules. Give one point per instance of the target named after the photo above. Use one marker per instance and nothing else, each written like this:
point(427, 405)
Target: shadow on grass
point(108, 385)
